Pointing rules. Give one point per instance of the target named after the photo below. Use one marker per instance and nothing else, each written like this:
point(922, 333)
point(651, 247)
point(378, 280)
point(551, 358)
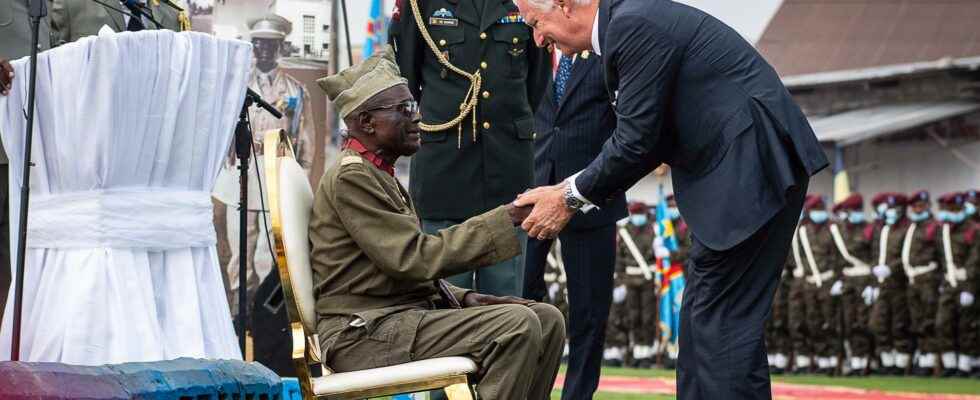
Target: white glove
point(619, 294)
point(837, 289)
point(966, 299)
point(869, 295)
point(553, 291)
point(882, 272)
point(659, 250)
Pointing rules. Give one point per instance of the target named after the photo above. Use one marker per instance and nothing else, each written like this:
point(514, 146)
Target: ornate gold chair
point(291, 204)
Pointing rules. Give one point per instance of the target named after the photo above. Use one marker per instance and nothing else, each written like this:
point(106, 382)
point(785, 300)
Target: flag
point(842, 185)
point(671, 278)
point(375, 29)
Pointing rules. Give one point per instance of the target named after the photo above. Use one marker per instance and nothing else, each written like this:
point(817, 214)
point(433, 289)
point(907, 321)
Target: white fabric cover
point(131, 131)
point(295, 207)
point(394, 375)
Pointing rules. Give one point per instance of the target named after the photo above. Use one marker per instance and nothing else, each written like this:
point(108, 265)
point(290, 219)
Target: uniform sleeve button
point(486, 94)
point(483, 35)
point(486, 125)
point(515, 40)
point(442, 42)
point(483, 64)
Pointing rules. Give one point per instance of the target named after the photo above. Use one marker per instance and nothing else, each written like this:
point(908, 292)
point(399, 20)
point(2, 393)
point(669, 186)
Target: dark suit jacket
point(693, 93)
point(571, 134)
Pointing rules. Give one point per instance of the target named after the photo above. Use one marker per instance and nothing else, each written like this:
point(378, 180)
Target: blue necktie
point(561, 78)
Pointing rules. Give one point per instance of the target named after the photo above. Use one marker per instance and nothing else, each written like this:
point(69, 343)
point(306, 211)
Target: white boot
point(927, 360)
point(832, 362)
point(902, 360)
point(781, 361)
point(822, 362)
point(949, 360)
point(887, 359)
point(802, 362)
point(966, 363)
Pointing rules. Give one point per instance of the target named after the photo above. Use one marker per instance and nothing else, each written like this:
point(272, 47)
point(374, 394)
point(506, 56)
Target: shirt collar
point(375, 159)
point(595, 35)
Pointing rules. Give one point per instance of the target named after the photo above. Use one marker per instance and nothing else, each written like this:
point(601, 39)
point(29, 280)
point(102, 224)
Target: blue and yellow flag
point(375, 29)
point(672, 279)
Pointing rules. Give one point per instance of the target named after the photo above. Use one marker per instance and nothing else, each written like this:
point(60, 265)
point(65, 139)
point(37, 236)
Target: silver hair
point(547, 5)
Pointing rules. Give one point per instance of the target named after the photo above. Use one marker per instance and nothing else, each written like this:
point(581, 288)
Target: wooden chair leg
point(459, 391)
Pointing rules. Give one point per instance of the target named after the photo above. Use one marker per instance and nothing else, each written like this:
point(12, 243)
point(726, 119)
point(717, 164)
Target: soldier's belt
point(550, 277)
point(917, 270)
point(824, 277)
point(857, 271)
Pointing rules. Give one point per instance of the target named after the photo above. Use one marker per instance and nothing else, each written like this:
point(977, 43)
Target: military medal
point(443, 17)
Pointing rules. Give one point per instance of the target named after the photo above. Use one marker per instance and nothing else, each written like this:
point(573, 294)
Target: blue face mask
point(891, 216)
point(951, 217)
point(638, 219)
point(970, 209)
point(673, 213)
point(855, 217)
point(818, 217)
point(919, 216)
point(880, 211)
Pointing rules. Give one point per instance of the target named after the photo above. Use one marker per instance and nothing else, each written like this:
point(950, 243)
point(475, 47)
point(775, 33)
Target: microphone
point(255, 98)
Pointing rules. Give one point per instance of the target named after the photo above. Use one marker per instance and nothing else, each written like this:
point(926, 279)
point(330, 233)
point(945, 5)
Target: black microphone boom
point(251, 95)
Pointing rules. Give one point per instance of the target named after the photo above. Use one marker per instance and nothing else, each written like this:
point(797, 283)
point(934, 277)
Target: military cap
point(269, 26)
point(636, 207)
point(355, 85)
point(853, 202)
point(813, 201)
point(952, 199)
point(896, 200)
point(920, 196)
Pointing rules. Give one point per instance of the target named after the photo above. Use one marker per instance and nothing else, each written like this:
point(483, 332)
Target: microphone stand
point(243, 145)
point(37, 9)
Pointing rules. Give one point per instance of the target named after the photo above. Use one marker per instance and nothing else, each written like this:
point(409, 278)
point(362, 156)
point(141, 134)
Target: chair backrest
point(291, 205)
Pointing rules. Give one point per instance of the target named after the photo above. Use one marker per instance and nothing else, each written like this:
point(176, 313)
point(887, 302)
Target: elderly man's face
point(396, 122)
point(571, 33)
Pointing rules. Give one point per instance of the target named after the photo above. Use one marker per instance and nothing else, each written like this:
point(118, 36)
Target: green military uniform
point(618, 324)
point(778, 343)
point(556, 281)
point(821, 272)
point(853, 253)
point(15, 42)
point(74, 19)
point(797, 309)
point(486, 159)
point(641, 293)
point(890, 321)
point(958, 319)
point(919, 259)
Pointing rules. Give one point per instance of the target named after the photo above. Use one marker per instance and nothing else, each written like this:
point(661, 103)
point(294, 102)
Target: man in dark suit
point(573, 120)
point(692, 93)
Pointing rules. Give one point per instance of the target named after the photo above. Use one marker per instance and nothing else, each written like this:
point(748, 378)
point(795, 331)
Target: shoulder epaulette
point(351, 160)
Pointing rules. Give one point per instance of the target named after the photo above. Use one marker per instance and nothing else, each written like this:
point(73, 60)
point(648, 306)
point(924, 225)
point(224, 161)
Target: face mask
point(951, 217)
point(842, 216)
point(918, 216)
point(673, 213)
point(856, 217)
point(638, 219)
point(882, 208)
point(818, 217)
point(891, 216)
point(970, 209)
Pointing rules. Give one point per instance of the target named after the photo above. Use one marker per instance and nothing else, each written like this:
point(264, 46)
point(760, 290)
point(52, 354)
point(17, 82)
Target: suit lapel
point(579, 69)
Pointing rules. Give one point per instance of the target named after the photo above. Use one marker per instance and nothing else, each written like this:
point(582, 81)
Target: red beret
point(954, 198)
point(920, 196)
point(853, 202)
point(637, 207)
point(813, 201)
point(879, 199)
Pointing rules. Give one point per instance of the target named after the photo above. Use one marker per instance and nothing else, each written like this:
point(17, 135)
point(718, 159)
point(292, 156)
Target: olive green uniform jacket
point(456, 175)
point(74, 19)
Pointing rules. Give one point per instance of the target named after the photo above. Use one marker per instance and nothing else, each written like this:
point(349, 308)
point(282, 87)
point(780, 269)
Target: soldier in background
point(890, 313)
point(958, 319)
point(291, 98)
point(853, 251)
point(919, 259)
point(618, 324)
point(641, 293)
point(823, 285)
point(797, 307)
point(75, 19)
point(778, 342)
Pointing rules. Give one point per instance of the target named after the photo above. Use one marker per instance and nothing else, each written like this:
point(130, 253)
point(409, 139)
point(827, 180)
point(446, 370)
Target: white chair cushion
point(296, 205)
point(398, 374)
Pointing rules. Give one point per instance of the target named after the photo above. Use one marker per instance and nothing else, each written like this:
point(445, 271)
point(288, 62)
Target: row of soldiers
point(893, 294)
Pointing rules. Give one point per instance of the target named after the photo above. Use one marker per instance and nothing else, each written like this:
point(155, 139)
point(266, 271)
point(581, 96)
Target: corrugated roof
point(882, 72)
point(810, 36)
point(851, 127)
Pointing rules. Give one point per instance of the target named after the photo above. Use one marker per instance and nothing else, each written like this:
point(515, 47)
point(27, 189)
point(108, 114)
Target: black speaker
point(271, 339)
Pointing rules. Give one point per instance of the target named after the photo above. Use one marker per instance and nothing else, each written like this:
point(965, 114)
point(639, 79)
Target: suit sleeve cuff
point(578, 195)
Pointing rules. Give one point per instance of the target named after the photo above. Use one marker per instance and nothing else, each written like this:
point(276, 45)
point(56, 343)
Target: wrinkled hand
point(518, 214)
point(550, 215)
point(837, 289)
point(6, 77)
point(966, 299)
point(882, 272)
point(474, 299)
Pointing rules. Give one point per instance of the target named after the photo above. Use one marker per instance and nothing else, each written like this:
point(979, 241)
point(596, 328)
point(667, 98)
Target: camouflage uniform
point(821, 271)
point(890, 322)
point(959, 325)
point(641, 294)
point(797, 306)
point(858, 290)
point(920, 262)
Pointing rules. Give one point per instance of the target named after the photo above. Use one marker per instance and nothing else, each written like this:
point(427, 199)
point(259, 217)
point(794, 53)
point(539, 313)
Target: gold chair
point(291, 204)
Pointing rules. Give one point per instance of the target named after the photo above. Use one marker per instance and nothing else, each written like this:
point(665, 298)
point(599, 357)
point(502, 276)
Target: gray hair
point(547, 5)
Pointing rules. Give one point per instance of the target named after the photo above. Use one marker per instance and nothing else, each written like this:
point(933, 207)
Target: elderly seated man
point(380, 299)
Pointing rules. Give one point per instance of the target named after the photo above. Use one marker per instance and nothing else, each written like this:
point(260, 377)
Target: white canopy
point(130, 133)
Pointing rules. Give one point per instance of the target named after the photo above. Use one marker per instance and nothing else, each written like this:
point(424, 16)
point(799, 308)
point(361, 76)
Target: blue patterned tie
point(561, 78)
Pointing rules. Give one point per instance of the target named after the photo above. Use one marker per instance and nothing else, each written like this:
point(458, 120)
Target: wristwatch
point(571, 201)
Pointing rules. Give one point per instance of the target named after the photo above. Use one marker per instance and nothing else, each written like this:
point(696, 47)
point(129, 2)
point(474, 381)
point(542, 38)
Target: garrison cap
point(953, 199)
point(269, 26)
point(355, 85)
point(920, 196)
point(853, 202)
point(813, 201)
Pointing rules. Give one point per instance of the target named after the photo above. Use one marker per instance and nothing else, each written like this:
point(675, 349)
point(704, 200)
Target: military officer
point(291, 98)
point(919, 259)
point(853, 255)
point(890, 321)
point(958, 320)
point(823, 284)
point(479, 78)
point(74, 19)
point(641, 292)
point(376, 274)
point(778, 343)
point(618, 324)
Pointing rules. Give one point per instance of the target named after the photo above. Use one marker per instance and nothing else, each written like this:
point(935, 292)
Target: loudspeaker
point(271, 339)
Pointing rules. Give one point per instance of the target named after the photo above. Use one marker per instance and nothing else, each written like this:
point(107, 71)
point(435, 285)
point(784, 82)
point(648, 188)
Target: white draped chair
point(130, 133)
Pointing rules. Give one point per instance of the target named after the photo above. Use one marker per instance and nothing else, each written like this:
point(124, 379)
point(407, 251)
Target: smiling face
point(569, 28)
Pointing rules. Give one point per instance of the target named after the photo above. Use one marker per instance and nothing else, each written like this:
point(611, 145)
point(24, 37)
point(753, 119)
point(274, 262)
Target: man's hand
point(550, 214)
point(474, 299)
point(518, 214)
point(6, 77)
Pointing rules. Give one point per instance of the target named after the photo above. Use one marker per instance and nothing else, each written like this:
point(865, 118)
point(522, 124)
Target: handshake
point(542, 211)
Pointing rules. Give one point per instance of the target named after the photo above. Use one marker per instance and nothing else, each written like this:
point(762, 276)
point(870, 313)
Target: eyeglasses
point(408, 108)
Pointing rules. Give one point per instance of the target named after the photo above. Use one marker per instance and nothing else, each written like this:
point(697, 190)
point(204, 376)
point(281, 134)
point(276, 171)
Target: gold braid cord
point(472, 97)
